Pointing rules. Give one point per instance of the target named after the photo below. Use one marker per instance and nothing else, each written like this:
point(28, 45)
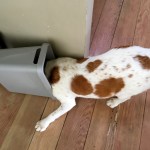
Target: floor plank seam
point(143, 121)
point(13, 120)
point(17, 111)
point(61, 131)
point(31, 140)
point(136, 21)
point(112, 127)
point(97, 26)
point(44, 108)
point(89, 125)
point(34, 129)
point(115, 124)
point(117, 23)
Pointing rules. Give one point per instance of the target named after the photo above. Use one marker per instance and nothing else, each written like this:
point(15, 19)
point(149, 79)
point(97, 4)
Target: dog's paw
point(41, 125)
point(112, 103)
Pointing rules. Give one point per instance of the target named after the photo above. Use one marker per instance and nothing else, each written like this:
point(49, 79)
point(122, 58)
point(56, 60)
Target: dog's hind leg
point(114, 102)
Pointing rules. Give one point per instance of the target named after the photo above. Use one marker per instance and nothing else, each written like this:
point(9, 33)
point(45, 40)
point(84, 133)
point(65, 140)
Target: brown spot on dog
point(81, 86)
point(144, 61)
point(91, 66)
point(108, 87)
point(115, 68)
point(130, 75)
point(81, 60)
point(54, 75)
point(127, 67)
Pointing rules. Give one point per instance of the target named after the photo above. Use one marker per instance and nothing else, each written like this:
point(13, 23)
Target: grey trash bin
point(22, 70)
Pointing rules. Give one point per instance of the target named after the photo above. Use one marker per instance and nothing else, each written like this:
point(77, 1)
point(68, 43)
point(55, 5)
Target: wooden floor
point(91, 125)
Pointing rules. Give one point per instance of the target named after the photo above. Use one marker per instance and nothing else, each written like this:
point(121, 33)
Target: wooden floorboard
point(99, 128)
point(142, 33)
point(125, 30)
point(9, 106)
point(106, 27)
point(142, 36)
point(144, 144)
point(129, 124)
point(22, 130)
point(97, 11)
point(49, 139)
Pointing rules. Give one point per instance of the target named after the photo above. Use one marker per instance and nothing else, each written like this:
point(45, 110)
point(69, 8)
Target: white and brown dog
point(118, 74)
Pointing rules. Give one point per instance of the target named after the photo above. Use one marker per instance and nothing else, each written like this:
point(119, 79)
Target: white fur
point(119, 58)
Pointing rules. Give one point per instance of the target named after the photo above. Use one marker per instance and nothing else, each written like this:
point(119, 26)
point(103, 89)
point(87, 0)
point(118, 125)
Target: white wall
point(64, 23)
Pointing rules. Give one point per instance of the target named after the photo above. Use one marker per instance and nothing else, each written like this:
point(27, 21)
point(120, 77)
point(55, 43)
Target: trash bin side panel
point(22, 70)
point(17, 57)
point(26, 82)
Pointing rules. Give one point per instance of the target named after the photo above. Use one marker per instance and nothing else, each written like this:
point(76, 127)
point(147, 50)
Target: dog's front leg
point(63, 108)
